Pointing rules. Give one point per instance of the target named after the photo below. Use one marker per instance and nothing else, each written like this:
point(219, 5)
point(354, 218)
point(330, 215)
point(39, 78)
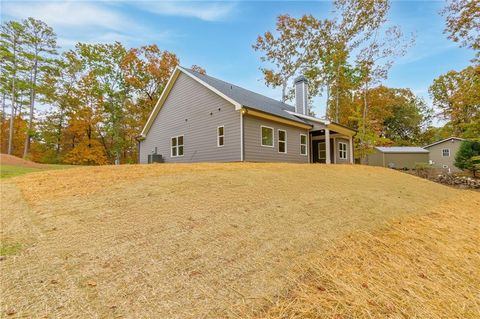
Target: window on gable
point(303, 144)
point(220, 136)
point(176, 145)
point(282, 141)
point(342, 150)
point(446, 152)
point(267, 136)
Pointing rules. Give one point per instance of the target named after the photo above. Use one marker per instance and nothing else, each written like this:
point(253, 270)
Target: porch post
point(334, 150)
point(327, 146)
point(310, 148)
point(351, 150)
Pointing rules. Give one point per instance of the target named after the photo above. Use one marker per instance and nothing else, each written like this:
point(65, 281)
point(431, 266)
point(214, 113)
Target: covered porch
point(331, 144)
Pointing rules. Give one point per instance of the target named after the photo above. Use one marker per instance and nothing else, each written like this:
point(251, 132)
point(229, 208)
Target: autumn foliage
point(99, 97)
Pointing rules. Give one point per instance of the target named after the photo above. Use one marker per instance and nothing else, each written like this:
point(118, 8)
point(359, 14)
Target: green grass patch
point(7, 171)
point(12, 170)
point(7, 249)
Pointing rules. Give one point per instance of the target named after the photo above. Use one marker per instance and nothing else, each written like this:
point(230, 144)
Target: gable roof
point(240, 98)
point(445, 140)
point(401, 149)
point(248, 98)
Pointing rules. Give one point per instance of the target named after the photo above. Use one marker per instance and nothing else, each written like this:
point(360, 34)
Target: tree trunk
point(364, 119)
point(328, 99)
point(3, 107)
point(10, 131)
point(12, 113)
point(26, 148)
point(337, 110)
point(59, 134)
point(284, 89)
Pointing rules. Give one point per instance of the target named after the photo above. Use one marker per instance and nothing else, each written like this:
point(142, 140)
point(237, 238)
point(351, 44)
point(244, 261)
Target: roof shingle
point(248, 98)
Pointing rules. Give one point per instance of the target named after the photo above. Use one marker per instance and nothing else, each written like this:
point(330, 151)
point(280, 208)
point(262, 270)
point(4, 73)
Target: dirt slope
point(6, 159)
point(192, 241)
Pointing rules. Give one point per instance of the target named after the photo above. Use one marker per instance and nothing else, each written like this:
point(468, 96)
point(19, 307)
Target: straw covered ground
point(237, 240)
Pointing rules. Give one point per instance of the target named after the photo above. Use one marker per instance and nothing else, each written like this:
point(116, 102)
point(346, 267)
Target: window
point(267, 136)
point(303, 144)
point(342, 150)
point(177, 146)
point(322, 152)
point(446, 152)
point(220, 136)
point(282, 141)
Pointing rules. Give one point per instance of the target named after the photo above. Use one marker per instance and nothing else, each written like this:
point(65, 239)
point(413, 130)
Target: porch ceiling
point(321, 133)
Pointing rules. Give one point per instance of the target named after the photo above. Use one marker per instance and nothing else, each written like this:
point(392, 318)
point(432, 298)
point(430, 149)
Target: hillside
point(6, 159)
point(237, 240)
point(11, 166)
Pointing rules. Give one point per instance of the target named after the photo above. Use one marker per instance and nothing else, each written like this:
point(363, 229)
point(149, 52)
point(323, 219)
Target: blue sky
point(218, 35)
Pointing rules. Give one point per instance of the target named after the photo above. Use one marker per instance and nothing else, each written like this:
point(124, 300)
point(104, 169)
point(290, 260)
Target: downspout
point(242, 146)
point(139, 139)
point(138, 152)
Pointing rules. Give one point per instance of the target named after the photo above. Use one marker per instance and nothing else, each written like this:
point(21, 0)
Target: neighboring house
point(442, 153)
point(398, 157)
point(199, 118)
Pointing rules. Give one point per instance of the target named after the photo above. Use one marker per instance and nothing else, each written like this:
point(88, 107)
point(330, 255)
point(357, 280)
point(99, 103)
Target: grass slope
point(236, 240)
point(11, 166)
point(12, 170)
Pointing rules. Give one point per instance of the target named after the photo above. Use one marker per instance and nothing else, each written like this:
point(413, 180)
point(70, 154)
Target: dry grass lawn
point(238, 240)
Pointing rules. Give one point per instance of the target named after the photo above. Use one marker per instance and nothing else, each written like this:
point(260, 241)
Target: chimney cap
point(301, 78)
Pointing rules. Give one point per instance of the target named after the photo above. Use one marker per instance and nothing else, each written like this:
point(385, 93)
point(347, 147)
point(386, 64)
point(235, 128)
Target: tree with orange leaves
point(83, 126)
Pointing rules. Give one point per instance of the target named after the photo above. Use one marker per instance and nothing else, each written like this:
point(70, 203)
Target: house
point(199, 118)
point(442, 153)
point(398, 157)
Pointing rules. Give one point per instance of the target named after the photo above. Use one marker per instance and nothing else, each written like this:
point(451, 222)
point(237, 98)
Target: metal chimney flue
point(301, 95)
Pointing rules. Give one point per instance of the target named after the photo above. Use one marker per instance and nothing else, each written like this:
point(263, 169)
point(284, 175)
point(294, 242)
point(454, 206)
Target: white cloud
point(86, 22)
point(201, 10)
point(69, 14)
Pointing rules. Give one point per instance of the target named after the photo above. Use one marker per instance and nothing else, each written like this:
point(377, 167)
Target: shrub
point(423, 169)
point(468, 156)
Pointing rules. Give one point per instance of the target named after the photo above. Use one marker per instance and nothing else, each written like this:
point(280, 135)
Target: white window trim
point(171, 146)
point(261, 136)
point(306, 145)
point(340, 151)
point(218, 136)
point(445, 149)
point(285, 142)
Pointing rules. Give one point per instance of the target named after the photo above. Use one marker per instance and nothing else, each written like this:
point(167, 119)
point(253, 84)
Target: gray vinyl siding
point(374, 159)
point(195, 112)
point(397, 160)
point(255, 152)
point(338, 160)
point(408, 160)
point(439, 160)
